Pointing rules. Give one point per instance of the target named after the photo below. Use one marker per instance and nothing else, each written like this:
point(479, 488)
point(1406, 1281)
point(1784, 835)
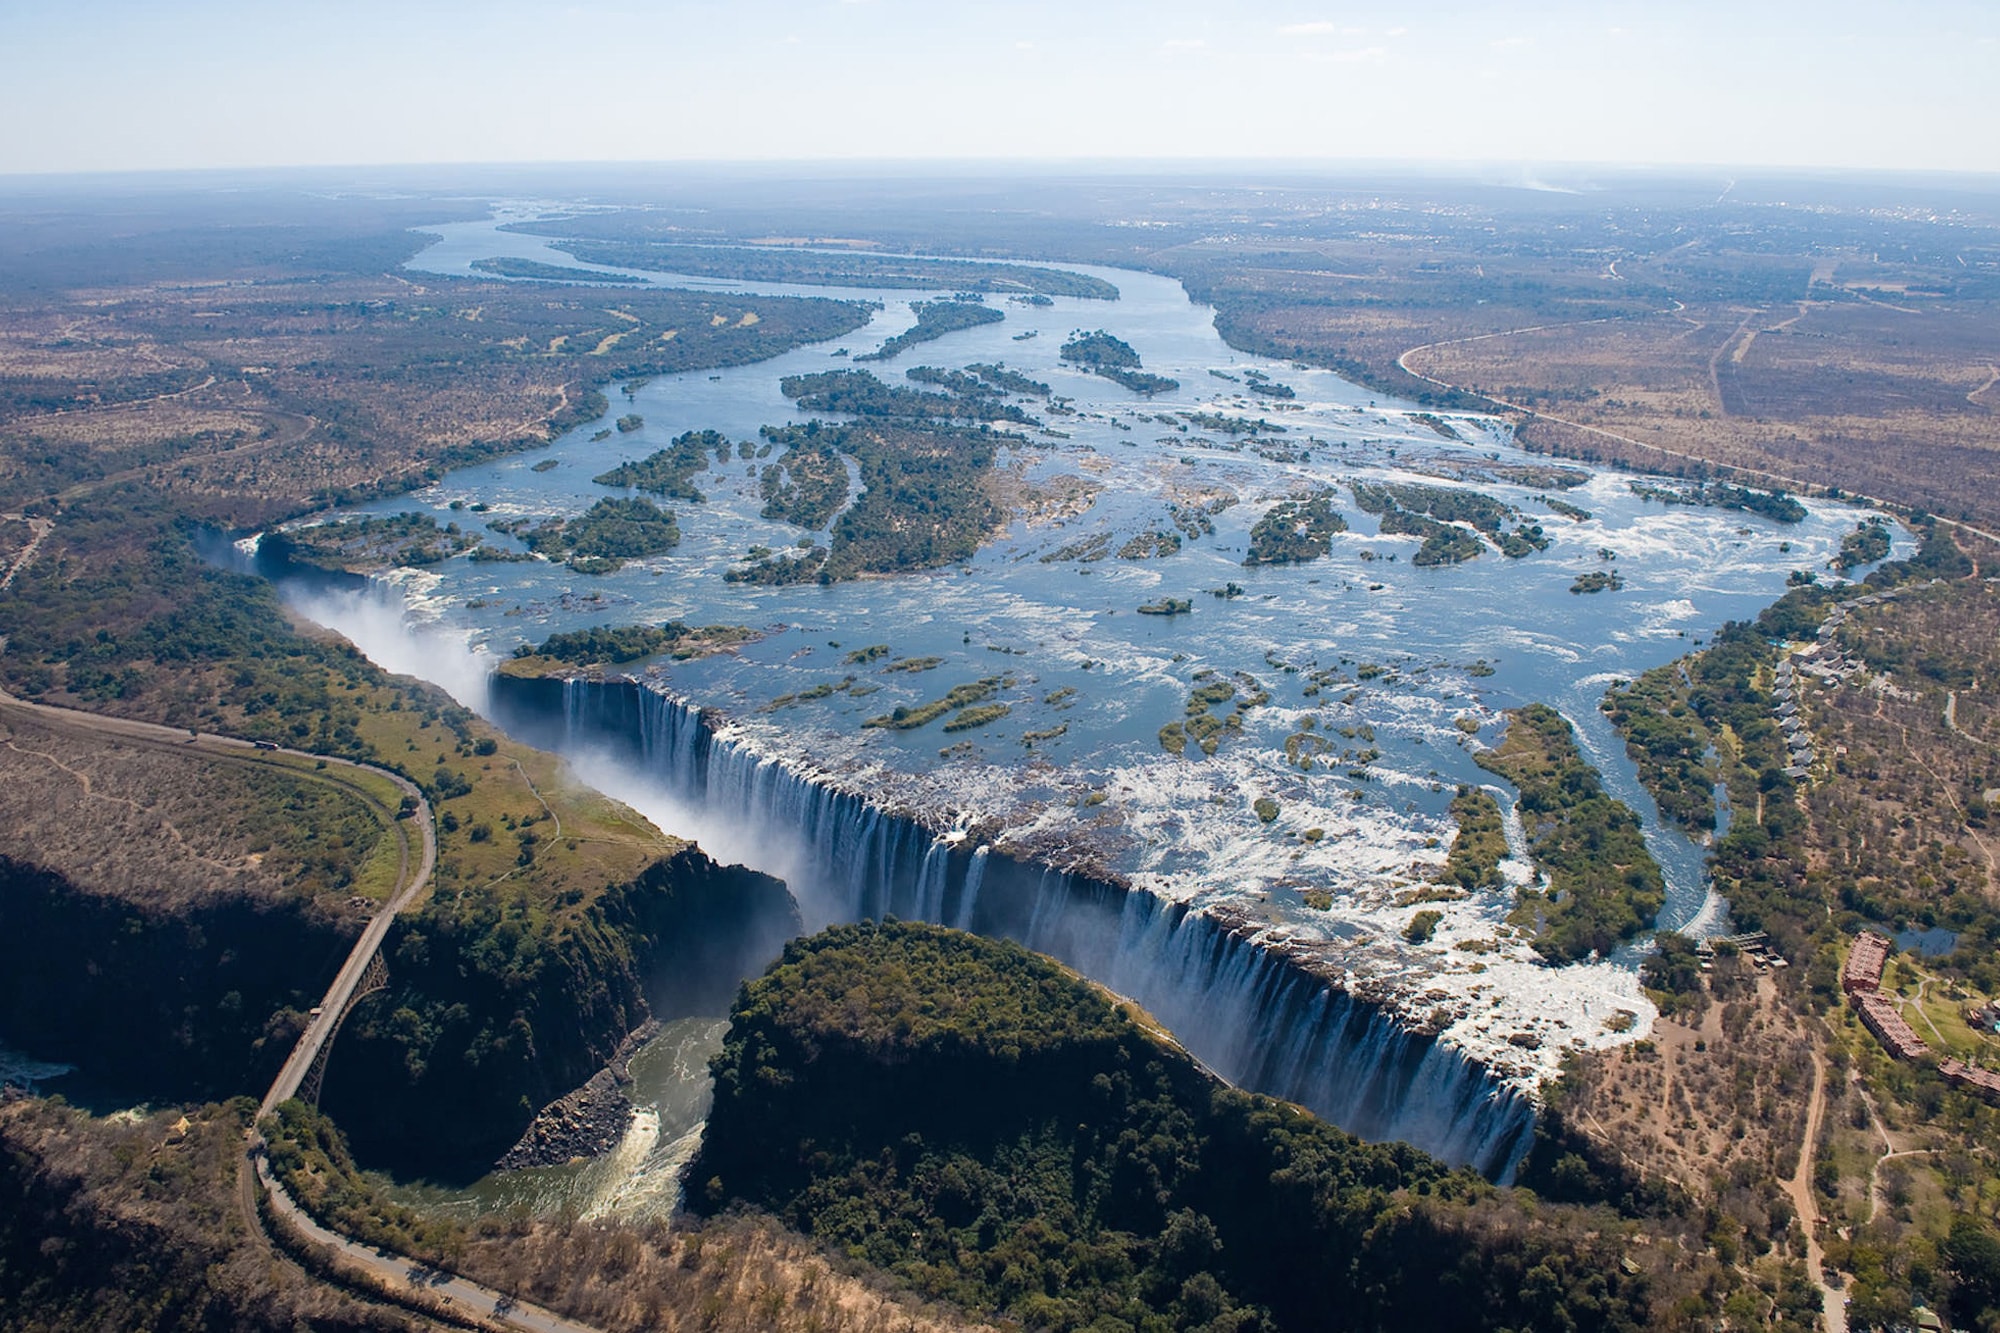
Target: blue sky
point(108, 84)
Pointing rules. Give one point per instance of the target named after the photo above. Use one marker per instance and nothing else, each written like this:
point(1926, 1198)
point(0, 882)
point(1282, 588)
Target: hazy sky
point(111, 84)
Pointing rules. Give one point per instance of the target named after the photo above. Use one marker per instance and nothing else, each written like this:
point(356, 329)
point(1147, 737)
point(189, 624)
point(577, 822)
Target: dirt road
point(1833, 1305)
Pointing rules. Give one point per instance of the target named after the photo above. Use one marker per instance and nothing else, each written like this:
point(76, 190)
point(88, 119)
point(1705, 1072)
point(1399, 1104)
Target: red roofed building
point(1983, 1081)
point(1879, 1015)
point(1865, 961)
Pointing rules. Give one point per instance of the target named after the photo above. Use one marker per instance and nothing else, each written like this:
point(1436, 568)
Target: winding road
point(421, 1288)
point(409, 1282)
point(1769, 478)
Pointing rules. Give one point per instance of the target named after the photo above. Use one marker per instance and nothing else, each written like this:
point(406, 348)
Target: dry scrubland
point(1714, 1101)
point(252, 385)
point(136, 1221)
point(1851, 349)
point(346, 384)
point(168, 826)
point(734, 1275)
point(1915, 749)
point(1881, 400)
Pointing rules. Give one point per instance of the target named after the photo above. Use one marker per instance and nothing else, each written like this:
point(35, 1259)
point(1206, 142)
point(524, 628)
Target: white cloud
point(1509, 43)
point(1024, 46)
point(1184, 44)
point(1318, 27)
point(1397, 32)
point(1361, 55)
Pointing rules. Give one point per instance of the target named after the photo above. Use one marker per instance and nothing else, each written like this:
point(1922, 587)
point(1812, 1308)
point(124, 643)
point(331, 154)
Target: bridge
point(403, 1281)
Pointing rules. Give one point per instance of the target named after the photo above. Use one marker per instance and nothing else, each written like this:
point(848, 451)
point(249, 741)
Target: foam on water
point(1273, 949)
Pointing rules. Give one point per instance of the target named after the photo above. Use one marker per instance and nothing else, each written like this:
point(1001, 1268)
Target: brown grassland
point(1851, 355)
point(135, 1221)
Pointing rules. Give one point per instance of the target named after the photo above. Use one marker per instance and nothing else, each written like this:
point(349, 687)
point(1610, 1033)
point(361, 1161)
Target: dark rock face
point(439, 1074)
point(203, 1002)
point(585, 1122)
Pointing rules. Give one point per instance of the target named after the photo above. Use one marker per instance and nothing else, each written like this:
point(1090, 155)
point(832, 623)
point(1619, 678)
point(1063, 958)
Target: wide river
point(1400, 671)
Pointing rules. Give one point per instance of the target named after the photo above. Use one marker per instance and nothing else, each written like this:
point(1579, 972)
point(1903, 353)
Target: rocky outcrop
point(585, 1122)
point(491, 1012)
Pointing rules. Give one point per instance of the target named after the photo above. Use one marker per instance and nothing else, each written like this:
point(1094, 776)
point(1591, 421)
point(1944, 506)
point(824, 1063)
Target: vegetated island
point(1598, 580)
point(603, 538)
point(924, 502)
point(808, 484)
point(1199, 723)
point(1865, 545)
point(987, 1127)
point(818, 269)
point(1604, 886)
point(934, 320)
point(1256, 381)
point(1295, 531)
point(364, 545)
point(860, 393)
point(1224, 424)
point(969, 701)
point(924, 459)
point(979, 379)
point(1480, 843)
point(951, 381)
point(1435, 514)
point(1114, 359)
point(1009, 381)
point(1775, 505)
point(669, 473)
point(605, 645)
point(535, 270)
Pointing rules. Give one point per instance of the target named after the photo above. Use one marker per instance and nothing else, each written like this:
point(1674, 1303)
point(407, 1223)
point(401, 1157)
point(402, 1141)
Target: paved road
point(403, 1280)
point(327, 1019)
point(422, 1286)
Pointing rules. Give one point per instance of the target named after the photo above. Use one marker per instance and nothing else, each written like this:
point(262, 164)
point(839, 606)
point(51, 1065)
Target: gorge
point(1258, 891)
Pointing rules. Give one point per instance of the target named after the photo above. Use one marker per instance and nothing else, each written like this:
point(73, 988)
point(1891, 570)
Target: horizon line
point(1051, 166)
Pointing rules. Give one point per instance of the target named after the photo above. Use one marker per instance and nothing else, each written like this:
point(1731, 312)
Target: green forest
point(1114, 359)
point(934, 320)
point(1604, 886)
point(606, 535)
point(816, 268)
point(1295, 531)
point(669, 472)
point(859, 393)
point(993, 1130)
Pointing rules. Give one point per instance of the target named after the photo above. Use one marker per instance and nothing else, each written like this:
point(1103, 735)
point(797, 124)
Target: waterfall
point(968, 893)
point(1246, 1010)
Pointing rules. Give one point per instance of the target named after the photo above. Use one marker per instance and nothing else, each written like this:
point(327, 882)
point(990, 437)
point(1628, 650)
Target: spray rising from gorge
point(1257, 893)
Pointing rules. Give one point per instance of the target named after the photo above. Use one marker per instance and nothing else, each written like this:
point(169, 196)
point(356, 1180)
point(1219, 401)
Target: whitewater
point(1274, 948)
